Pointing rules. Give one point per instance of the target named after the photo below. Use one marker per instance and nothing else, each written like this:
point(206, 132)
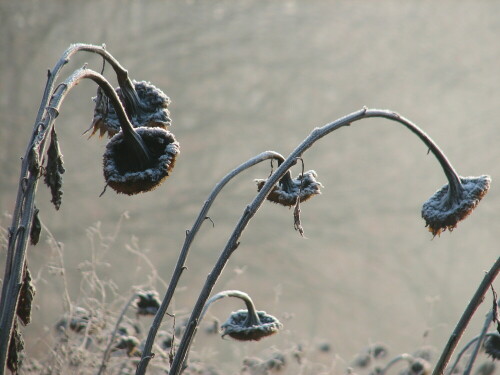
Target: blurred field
point(249, 76)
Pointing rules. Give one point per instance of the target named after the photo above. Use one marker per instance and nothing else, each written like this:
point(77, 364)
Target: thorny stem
point(107, 352)
point(30, 169)
point(190, 235)
point(252, 208)
point(462, 324)
point(464, 350)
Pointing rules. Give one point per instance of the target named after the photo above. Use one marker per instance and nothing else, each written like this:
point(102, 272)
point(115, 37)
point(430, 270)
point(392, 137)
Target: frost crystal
point(117, 160)
point(286, 192)
point(237, 326)
point(446, 208)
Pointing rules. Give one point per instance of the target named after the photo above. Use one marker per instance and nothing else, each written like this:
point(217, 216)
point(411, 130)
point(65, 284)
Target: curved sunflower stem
point(30, 171)
point(462, 324)
point(253, 318)
point(253, 207)
point(190, 235)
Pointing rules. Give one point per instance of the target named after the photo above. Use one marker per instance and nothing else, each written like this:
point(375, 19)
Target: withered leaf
point(54, 170)
point(16, 346)
point(26, 298)
point(36, 228)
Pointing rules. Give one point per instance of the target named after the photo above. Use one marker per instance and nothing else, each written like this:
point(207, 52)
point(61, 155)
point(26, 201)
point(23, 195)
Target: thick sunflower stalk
point(141, 157)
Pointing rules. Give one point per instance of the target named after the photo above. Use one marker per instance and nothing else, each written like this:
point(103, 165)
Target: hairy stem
point(252, 208)
point(462, 324)
point(237, 294)
point(190, 235)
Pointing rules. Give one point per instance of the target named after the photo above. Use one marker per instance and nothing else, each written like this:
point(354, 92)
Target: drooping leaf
point(26, 298)
point(36, 228)
point(54, 170)
point(16, 346)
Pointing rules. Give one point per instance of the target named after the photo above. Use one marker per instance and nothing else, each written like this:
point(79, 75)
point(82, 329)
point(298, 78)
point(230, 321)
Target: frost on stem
point(286, 192)
point(122, 172)
point(151, 111)
point(242, 326)
point(448, 206)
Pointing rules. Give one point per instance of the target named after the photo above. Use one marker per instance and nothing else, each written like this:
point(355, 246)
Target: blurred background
point(249, 76)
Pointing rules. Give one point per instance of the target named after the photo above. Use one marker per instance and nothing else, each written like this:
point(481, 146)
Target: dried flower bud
point(492, 346)
point(152, 111)
point(447, 207)
point(36, 228)
point(147, 303)
point(238, 326)
point(125, 179)
point(288, 190)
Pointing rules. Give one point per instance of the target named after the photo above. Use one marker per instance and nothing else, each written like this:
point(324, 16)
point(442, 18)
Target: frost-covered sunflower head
point(448, 206)
point(288, 190)
point(150, 109)
point(122, 171)
point(242, 325)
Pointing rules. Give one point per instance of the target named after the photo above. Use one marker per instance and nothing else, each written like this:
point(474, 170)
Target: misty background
point(250, 76)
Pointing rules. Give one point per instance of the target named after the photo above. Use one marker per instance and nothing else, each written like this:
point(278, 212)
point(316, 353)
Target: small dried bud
point(117, 161)
point(152, 111)
point(237, 326)
point(288, 190)
point(147, 303)
point(492, 346)
point(446, 208)
point(277, 362)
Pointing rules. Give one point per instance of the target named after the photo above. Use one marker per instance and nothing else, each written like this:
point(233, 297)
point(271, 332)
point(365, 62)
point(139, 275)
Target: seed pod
point(238, 327)
point(120, 169)
point(288, 190)
point(152, 110)
point(447, 207)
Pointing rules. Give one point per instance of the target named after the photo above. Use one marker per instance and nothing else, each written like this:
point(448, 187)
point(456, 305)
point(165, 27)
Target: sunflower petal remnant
point(239, 326)
point(304, 186)
point(117, 163)
point(448, 206)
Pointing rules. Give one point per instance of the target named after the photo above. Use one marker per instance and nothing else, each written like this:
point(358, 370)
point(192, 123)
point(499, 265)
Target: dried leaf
point(54, 170)
point(16, 346)
point(26, 298)
point(36, 228)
